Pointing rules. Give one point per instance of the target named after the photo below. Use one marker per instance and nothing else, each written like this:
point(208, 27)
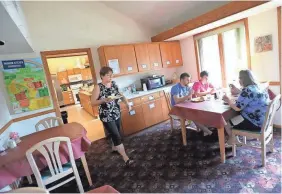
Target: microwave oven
point(153, 82)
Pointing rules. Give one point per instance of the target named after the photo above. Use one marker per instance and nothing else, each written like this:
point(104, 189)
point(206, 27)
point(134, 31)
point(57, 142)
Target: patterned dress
point(253, 102)
point(110, 111)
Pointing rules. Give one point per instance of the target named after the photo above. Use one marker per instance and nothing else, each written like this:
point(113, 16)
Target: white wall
point(5, 114)
point(265, 65)
point(189, 58)
point(66, 25)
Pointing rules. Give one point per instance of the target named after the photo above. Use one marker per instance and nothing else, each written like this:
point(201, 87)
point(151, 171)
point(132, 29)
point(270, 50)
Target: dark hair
point(183, 75)
point(247, 78)
point(204, 73)
point(105, 70)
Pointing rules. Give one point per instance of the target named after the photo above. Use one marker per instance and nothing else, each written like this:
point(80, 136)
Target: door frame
point(64, 53)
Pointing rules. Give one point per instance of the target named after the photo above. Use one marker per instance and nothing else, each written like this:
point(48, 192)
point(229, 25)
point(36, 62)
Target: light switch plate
point(152, 105)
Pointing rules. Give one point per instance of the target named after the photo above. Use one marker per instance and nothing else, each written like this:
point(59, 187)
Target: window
point(222, 52)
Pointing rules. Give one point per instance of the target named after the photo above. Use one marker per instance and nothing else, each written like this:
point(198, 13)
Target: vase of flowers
point(15, 136)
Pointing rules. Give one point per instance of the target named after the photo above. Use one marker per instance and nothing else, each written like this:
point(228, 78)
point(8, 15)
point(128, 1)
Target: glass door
point(209, 58)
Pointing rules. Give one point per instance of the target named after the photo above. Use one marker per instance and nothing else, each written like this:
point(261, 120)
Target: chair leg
point(171, 123)
point(245, 140)
point(29, 179)
point(233, 145)
point(272, 144)
point(263, 152)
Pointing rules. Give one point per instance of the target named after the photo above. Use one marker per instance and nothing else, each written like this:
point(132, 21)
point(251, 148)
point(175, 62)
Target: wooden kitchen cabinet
point(152, 112)
point(63, 77)
point(171, 54)
point(77, 71)
point(86, 74)
point(85, 101)
point(142, 56)
point(132, 121)
point(68, 98)
point(128, 59)
point(155, 56)
point(176, 54)
point(70, 72)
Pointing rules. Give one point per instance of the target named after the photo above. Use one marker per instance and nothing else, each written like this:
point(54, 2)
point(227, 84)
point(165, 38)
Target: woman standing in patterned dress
point(109, 109)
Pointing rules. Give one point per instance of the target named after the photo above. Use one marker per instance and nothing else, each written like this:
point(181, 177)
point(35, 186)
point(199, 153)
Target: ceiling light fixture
point(2, 42)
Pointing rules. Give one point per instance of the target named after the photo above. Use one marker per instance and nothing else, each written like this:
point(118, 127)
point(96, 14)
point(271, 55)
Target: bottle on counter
point(144, 87)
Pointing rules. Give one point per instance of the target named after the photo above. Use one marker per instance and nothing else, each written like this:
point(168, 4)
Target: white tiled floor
point(93, 126)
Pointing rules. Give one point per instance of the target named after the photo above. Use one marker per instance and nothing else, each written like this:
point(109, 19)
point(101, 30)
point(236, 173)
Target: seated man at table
point(203, 87)
point(182, 92)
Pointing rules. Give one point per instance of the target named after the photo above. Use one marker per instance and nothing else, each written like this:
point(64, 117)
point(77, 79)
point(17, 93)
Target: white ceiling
point(163, 15)
point(15, 42)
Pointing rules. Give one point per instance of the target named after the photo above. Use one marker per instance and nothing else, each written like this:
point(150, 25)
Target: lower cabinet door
point(132, 121)
point(152, 112)
point(165, 109)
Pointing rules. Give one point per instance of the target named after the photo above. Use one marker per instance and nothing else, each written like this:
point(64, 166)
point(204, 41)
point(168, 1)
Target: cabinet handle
point(156, 64)
point(130, 103)
point(176, 61)
point(167, 62)
point(151, 97)
point(144, 66)
point(129, 68)
point(132, 112)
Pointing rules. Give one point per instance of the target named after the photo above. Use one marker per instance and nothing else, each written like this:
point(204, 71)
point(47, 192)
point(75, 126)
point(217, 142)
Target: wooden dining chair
point(173, 117)
point(49, 122)
point(265, 136)
point(56, 170)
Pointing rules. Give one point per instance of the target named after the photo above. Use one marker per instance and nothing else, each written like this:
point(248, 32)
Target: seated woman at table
point(203, 87)
point(109, 109)
point(252, 104)
point(182, 92)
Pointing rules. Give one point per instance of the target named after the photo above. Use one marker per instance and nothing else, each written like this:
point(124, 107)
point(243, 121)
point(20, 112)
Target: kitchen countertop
point(140, 93)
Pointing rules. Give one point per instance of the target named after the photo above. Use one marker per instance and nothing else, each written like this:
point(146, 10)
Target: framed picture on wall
point(263, 43)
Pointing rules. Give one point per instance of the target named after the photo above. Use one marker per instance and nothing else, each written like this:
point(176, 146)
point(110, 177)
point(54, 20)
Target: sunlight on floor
point(94, 127)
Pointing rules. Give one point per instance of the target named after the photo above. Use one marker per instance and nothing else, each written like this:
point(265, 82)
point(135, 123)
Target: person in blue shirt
point(252, 103)
point(182, 92)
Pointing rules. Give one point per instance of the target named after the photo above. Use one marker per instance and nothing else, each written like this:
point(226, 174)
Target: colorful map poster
point(26, 84)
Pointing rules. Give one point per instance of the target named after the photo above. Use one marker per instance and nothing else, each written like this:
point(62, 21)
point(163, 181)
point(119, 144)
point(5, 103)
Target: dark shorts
point(247, 126)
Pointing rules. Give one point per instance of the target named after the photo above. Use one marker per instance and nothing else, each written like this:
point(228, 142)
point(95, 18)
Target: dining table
point(14, 164)
point(211, 113)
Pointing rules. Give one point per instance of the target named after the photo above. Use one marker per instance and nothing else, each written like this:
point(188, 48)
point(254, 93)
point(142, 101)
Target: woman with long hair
point(104, 95)
point(252, 103)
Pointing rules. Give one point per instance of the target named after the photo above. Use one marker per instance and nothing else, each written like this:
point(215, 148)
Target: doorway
point(71, 78)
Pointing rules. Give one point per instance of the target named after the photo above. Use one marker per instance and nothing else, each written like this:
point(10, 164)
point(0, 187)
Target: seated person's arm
point(234, 89)
point(199, 94)
point(178, 99)
point(241, 102)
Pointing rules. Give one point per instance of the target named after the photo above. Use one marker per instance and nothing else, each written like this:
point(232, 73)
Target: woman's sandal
point(129, 162)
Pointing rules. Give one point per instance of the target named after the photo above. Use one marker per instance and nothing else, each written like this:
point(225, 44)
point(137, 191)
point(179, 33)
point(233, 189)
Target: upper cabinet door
point(166, 54)
point(142, 57)
point(155, 56)
point(128, 59)
point(176, 53)
point(113, 59)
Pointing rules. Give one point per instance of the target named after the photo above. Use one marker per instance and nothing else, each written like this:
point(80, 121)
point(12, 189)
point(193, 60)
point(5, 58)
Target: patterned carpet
point(162, 164)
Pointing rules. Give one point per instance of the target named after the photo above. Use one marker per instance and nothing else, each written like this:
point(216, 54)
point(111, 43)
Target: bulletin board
point(26, 84)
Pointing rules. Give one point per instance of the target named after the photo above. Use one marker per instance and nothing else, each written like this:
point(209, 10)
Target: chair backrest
point(272, 107)
point(54, 162)
point(49, 122)
point(168, 99)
